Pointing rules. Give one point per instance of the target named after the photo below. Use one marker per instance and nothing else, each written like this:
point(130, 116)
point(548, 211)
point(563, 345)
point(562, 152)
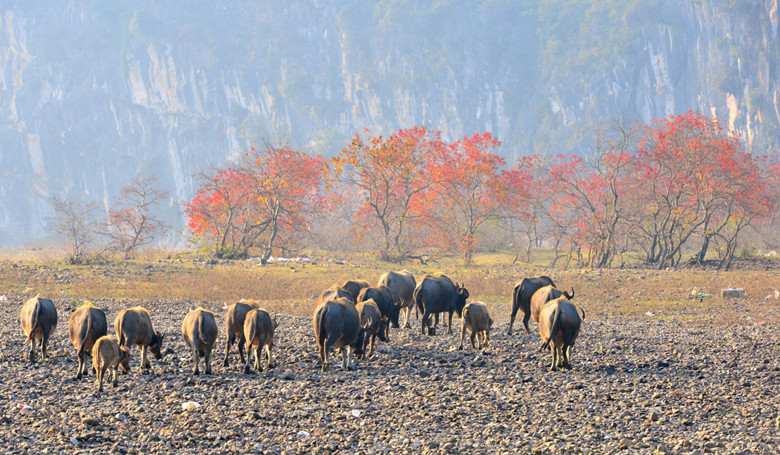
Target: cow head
point(124, 360)
point(155, 345)
point(463, 294)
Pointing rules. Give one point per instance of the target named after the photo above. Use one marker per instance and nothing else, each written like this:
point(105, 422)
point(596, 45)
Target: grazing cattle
point(337, 325)
point(234, 326)
point(336, 292)
point(477, 320)
point(199, 330)
point(384, 300)
point(85, 326)
point(544, 295)
point(371, 321)
point(521, 298)
point(559, 325)
point(354, 287)
point(401, 285)
point(39, 320)
point(259, 332)
point(106, 355)
point(436, 293)
point(133, 327)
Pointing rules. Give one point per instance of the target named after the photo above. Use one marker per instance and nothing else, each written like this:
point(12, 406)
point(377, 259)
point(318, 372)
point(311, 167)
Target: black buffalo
point(402, 286)
point(336, 292)
point(337, 325)
point(354, 287)
point(521, 297)
point(386, 303)
point(436, 293)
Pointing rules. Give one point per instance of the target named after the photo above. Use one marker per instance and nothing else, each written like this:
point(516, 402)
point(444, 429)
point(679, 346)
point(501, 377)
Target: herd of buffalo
point(348, 317)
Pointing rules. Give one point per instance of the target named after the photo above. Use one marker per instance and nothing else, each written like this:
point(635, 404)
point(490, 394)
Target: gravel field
point(640, 384)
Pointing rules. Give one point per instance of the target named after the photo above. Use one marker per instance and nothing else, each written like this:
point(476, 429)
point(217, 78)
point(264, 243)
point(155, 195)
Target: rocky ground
point(640, 384)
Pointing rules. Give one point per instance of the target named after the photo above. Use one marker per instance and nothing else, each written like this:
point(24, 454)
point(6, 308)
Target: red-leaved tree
point(390, 175)
point(523, 201)
point(260, 204)
point(689, 166)
point(466, 195)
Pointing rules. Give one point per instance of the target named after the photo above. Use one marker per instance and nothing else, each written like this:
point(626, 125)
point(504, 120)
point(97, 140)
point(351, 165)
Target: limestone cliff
point(92, 93)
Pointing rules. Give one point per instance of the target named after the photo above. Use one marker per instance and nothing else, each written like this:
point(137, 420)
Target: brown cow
point(85, 326)
point(39, 320)
point(335, 292)
point(559, 324)
point(544, 295)
point(354, 287)
point(133, 327)
point(371, 323)
point(521, 298)
point(106, 355)
point(401, 285)
point(199, 329)
point(337, 324)
point(234, 326)
point(259, 333)
point(477, 320)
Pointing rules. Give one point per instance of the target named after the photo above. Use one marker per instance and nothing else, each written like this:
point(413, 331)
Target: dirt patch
point(681, 383)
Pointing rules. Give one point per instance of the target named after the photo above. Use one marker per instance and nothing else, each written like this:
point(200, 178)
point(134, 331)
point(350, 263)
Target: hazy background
point(94, 92)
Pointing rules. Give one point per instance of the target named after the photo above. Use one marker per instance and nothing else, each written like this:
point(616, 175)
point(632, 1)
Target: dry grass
point(292, 288)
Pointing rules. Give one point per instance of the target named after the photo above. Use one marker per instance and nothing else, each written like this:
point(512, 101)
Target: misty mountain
point(94, 92)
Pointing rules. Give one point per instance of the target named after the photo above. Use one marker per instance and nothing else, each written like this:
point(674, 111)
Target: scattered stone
point(91, 421)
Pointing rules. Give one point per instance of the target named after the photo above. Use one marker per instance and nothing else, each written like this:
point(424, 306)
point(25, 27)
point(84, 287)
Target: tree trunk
point(704, 247)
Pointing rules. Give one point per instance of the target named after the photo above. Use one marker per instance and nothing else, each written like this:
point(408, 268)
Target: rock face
point(91, 94)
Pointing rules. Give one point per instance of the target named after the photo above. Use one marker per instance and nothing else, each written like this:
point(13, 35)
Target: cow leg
point(87, 361)
point(567, 356)
point(449, 324)
point(425, 323)
point(512, 319)
point(407, 312)
point(207, 360)
point(371, 349)
point(194, 350)
point(347, 351)
point(114, 375)
point(270, 363)
point(44, 342)
point(248, 365)
point(32, 350)
point(145, 363)
point(473, 335)
point(80, 373)
point(100, 373)
point(462, 336)
point(258, 354)
point(241, 346)
point(228, 345)
point(328, 345)
point(323, 359)
point(554, 353)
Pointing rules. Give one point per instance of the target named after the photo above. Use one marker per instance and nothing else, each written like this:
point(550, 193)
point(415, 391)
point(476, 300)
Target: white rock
point(190, 405)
